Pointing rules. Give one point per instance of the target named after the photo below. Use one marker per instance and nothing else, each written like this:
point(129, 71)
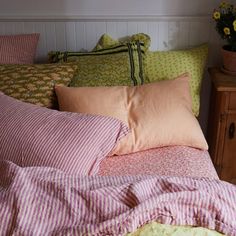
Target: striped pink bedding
point(18, 49)
point(45, 201)
point(174, 161)
point(76, 143)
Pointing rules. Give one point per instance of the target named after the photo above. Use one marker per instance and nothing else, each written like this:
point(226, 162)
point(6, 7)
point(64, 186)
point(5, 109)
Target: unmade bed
point(107, 142)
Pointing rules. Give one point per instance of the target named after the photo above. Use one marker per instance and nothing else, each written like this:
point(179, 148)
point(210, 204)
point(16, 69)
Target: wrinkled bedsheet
point(174, 161)
point(46, 201)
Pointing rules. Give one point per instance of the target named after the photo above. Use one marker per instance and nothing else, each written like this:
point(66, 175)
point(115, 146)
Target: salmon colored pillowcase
point(158, 114)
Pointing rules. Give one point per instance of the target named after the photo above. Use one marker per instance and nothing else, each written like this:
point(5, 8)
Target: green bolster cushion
point(118, 65)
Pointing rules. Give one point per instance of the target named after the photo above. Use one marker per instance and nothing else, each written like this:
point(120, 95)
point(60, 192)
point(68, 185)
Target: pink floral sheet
point(169, 161)
point(46, 201)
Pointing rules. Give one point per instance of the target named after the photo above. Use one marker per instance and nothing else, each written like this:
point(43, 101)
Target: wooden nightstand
point(222, 124)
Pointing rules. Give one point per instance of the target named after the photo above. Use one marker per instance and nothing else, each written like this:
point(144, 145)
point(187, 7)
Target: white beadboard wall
point(77, 25)
point(167, 33)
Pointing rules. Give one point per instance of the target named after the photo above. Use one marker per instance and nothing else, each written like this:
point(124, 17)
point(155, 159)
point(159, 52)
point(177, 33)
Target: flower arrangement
point(225, 18)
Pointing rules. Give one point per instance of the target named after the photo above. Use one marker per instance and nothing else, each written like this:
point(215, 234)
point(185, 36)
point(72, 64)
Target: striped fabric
point(36, 136)
point(135, 61)
point(45, 201)
point(18, 49)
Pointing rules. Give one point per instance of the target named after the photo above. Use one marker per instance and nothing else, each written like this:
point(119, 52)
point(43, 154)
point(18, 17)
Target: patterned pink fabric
point(45, 201)
point(18, 49)
point(174, 161)
point(36, 136)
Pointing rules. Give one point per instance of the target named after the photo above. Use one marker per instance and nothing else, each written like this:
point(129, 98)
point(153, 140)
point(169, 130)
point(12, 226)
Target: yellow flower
point(224, 5)
point(234, 25)
point(227, 31)
point(216, 15)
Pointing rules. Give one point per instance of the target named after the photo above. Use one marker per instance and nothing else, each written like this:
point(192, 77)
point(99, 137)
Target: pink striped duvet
point(31, 135)
point(45, 201)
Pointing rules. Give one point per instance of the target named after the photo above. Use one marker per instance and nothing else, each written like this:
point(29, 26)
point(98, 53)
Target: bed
point(73, 162)
point(174, 161)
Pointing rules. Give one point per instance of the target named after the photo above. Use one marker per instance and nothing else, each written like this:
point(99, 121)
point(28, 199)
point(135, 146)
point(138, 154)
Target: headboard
point(82, 33)
point(76, 33)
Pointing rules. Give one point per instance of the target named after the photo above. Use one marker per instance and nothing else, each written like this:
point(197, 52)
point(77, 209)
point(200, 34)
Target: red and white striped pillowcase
point(72, 142)
point(18, 49)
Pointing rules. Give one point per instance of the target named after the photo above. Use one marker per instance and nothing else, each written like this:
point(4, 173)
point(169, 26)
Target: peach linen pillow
point(158, 114)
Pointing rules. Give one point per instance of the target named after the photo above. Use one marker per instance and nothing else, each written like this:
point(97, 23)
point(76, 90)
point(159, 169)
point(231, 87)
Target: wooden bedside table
point(222, 124)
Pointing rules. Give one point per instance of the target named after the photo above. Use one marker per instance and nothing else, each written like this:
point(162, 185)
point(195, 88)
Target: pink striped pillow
point(72, 142)
point(18, 49)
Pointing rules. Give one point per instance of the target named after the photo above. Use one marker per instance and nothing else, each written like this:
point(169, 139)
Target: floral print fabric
point(35, 83)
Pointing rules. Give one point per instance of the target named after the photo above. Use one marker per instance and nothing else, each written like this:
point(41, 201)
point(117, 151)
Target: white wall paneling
point(167, 33)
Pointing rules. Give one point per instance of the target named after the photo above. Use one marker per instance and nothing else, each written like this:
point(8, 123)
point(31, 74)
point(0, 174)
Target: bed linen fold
point(46, 201)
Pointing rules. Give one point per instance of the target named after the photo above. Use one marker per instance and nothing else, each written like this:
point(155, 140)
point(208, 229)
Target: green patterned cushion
point(35, 83)
point(162, 65)
point(107, 41)
point(119, 65)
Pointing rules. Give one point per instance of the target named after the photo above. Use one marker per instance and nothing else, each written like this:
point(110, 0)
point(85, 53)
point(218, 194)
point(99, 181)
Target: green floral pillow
point(35, 83)
point(163, 65)
point(107, 41)
point(118, 65)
